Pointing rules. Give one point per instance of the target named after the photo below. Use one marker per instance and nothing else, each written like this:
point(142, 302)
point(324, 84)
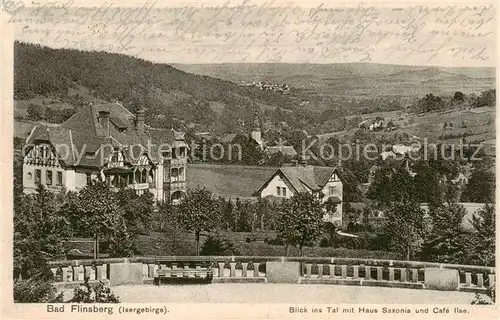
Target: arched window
point(181, 174)
point(137, 176)
point(175, 175)
point(151, 178)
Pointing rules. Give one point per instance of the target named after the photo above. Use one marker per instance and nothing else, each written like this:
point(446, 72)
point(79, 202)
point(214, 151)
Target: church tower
point(256, 133)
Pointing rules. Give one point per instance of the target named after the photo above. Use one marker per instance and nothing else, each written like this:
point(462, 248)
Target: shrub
point(35, 291)
point(278, 241)
point(98, 294)
point(215, 246)
point(481, 300)
point(324, 243)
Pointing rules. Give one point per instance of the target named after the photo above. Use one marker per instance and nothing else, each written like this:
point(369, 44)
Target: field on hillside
point(229, 181)
point(478, 124)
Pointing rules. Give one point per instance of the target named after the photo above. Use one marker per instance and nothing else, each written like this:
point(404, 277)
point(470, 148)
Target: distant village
point(279, 88)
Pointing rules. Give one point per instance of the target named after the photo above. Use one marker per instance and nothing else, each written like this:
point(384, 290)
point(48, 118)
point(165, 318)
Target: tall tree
point(446, 241)
point(300, 220)
point(198, 213)
point(406, 227)
point(137, 209)
point(101, 216)
point(482, 249)
point(39, 232)
point(480, 188)
point(171, 216)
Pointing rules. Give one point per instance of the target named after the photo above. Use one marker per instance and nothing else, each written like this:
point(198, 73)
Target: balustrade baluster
point(332, 270)
point(402, 274)
point(89, 272)
point(308, 270)
point(380, 273)
point(343, 269)
point(64, 274)
point(54, 272)
point(244, 266)
point(232, 272)
point(256, 269)
point(185, 274)
point(99, 271)
point(78, 273)
point(151, 270)
point(355, 272)
point(391, 273)
point(414, 275)
point(221, 269)
point(320, 271)
point(145, 270)
point(480, 281)
point(368, 273)
point(491, 280)
point(468, 279)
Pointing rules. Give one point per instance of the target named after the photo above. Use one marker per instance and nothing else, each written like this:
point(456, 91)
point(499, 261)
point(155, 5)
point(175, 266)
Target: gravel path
point(286, 293)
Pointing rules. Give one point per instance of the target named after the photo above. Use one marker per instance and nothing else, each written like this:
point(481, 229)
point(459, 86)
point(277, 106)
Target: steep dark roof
point(304, 177)
point(83, 134)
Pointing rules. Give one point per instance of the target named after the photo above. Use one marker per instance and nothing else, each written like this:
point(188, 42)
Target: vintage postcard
point(250, 159)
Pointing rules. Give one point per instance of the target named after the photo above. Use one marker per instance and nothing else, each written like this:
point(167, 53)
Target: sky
point(447, 33)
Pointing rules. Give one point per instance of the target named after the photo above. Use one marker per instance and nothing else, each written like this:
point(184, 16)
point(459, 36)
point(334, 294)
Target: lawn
point(157, 244)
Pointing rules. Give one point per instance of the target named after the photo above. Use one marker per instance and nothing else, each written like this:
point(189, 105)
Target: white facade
point(333, 188)
point(277, 187)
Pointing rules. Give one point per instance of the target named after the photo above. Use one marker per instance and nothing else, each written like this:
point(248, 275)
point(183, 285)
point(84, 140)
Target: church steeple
point(256, 132)
point(256, 123)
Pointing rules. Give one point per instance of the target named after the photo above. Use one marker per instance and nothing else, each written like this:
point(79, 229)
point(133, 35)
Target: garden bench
point(187, 274)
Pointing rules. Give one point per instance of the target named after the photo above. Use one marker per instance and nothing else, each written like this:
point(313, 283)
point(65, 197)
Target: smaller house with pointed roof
point(290, 179)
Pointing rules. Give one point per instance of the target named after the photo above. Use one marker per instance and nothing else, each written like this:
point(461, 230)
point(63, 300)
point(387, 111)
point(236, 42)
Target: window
point(59, 178)
point(331, 190)
point(38, 176)
point(175, 175)
point(48, 180)
point(89, 179)
point(165, 175)
point(278, 191)
point(181, 174)
point(284, 192)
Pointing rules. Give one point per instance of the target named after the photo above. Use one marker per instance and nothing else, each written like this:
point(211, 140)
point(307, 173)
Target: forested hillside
point(51, 84)
point(75, 76)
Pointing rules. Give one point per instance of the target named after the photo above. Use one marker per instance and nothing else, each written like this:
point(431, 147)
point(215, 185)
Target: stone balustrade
point(303, 270)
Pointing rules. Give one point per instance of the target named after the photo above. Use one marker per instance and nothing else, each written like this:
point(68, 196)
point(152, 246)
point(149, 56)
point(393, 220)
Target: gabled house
point(109, 143)
point(324, 182)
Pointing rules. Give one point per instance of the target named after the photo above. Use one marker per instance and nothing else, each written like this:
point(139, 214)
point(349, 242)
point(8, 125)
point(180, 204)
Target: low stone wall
point(300, 270)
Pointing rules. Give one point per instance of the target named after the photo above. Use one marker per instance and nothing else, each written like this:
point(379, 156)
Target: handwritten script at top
point(264, 33)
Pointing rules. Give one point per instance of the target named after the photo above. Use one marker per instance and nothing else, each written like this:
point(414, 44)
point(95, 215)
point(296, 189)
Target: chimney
point(104, 121)
point(139, 120)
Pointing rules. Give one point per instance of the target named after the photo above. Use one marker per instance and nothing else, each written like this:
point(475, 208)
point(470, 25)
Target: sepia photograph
point(332, 159)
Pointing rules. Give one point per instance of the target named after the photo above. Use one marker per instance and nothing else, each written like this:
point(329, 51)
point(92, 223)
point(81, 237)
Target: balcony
point(139, 186)
point(178, 162)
